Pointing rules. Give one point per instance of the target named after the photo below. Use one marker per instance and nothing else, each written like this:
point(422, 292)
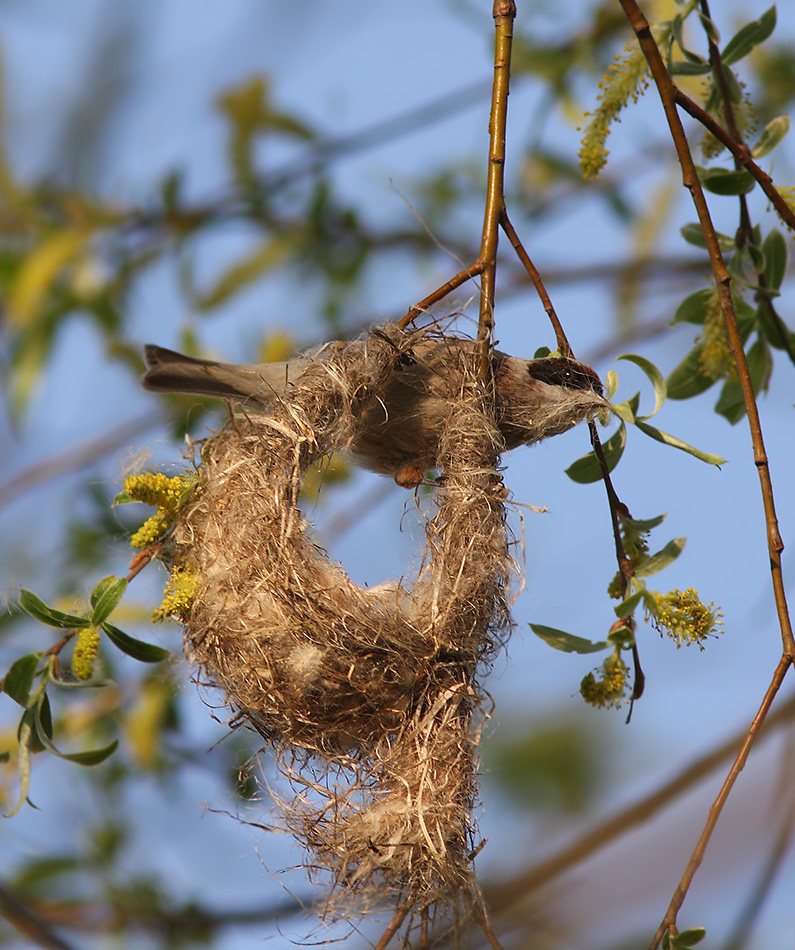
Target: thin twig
point(740, 152)
point(667, 92)
point(504, 13)
point(27, 922)
point(669, 920)
point(474, 270)
point(394, 926)
point(563, 343)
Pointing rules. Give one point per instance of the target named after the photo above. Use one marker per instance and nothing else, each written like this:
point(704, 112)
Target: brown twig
point(563, 343)
point(669, 920)
point(474, 270)
point(141, 559)
point(400, 915)
point(28, 922)
point(740, 152)
point(504, 13)
point(667, 92)
point(485, 266)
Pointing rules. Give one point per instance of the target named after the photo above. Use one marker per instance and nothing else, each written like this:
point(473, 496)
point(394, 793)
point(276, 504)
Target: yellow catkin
point(715, 358)
point(608, 686)
point(626, 78)
point(155, 488)
point(179, 594)
point(85, 652)
point(683, 617)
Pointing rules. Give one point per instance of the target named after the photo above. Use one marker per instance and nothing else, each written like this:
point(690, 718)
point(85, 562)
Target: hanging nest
point(368, 696)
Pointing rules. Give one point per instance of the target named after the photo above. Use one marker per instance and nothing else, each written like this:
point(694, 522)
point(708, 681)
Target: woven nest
point(368, 695)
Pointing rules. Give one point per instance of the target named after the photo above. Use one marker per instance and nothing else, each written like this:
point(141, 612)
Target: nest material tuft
point(368, 695)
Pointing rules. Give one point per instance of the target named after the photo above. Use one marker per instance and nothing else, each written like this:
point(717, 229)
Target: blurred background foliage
point(271, 228)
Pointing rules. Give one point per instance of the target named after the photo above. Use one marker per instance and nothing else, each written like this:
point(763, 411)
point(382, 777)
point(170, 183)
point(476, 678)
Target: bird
point(398, 430)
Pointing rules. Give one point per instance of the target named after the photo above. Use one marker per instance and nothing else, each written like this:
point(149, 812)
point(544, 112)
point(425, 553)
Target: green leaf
point(19, 679)
point(123, 499)
point(683, 68)
point(586, 469)
point(655, 376)
point(105, 597)
point(751, 35)
point(667, 439)
point(677, 29)
point(36, 607)
point(89, 757)
point(42, 718)
point(626, 410)
point(137, 649)
point(659, 561)
point(644, 524)
point(726, 181)
point(775, 331)
point(687, 380)
point(774, 248)
point(693, 309)
point(694, 235)
point(731, 404)
point(541, 352)
point(709, 28)
point(772, 134)
point(567, 642)
point(689, 938)
point(611, 383)
point(25, 735)
point(626, 607)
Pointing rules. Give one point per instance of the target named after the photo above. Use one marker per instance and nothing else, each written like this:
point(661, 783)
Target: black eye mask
point(560, 371)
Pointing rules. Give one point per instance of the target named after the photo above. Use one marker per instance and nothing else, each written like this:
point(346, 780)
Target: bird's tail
point(172, 372)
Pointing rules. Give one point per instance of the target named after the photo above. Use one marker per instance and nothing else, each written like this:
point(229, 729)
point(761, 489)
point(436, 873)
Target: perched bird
point(398, 431)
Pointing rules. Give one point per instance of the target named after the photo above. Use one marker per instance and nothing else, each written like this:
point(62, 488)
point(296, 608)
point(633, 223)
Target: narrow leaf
point(751, 35)
point(567, 642)
point(684, 68)
point(694, 235)
point(105, 597)
point(731, 403)
point(773, 133)
point(586, 469)
point(19, 679)
point(25, 735)
point(693, 309)
point(626, 607)
point(726, 181)
point(137, 649)
point(655, 377)
point(687, 380)
point(774, 248)
point(91, 756)
point(36, 607)
point(690, 937)
point(668, 439)
point(657, 562)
